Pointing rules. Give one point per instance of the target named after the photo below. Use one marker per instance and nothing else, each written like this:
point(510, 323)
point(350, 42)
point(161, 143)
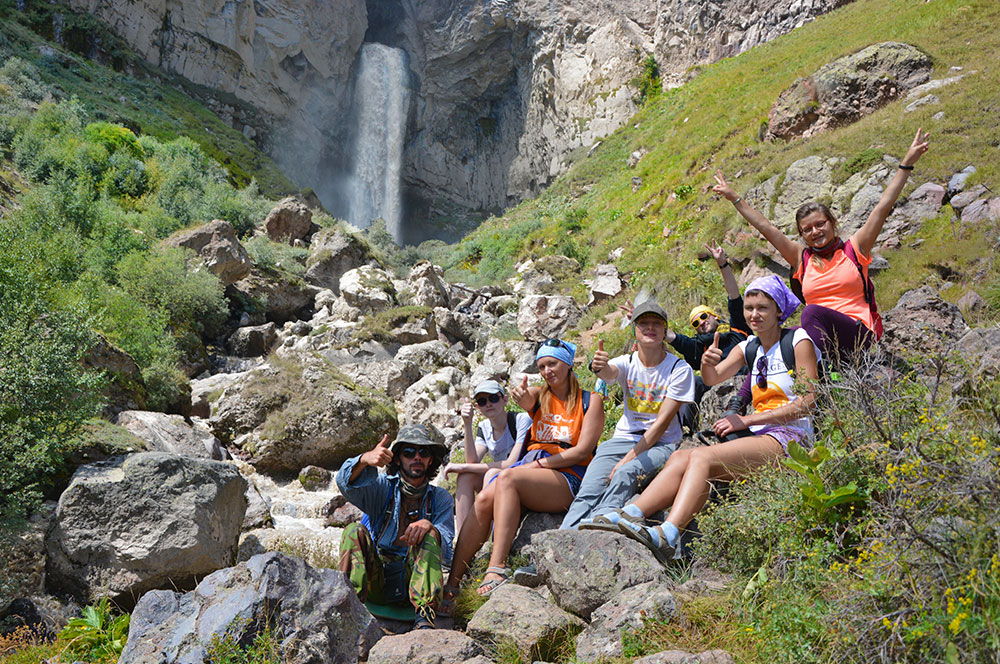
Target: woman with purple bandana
point(779, 416)
point(566, 424)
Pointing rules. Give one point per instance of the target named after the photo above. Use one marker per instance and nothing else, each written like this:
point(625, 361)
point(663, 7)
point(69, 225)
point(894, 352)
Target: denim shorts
point(569, 474)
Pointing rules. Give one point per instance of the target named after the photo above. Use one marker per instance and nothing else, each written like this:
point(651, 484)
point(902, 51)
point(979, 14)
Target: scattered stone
point(433, 400)
point(606, 284)
point(315, 613)
point(521, 615)
point(216, 244)
point(288, 220)
point(282, 295)
point(922, 324)
point(546, 316)
point(981, 210)
point(333, 253)
point(314, 478)
point(635, 158)
point(171, 434)
point(878, 264)
point(958, 181)
point(848, 89)
point(253, 340)
point(343, 514)
point(961, 200)
point(971, 303)
point(682, 657)
point(922, 204)
point(430, 646)
point(981, 348)
point(258, 513)
point(23, 557)
point(368, 288)
point(593, 148)
point(458, 327)
point(921, 90)
point(125, 388)
point(937, 117)
point(426, 285)
point(923, 101)
point(636, 183)
point(540, 275)
point(584, 568)
point(206, 391)
point(625, 613)
point(148, 520)
point(807, 179)
point(532, 524)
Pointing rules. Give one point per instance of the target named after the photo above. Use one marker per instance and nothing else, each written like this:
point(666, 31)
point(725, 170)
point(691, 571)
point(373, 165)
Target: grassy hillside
point(714, 121)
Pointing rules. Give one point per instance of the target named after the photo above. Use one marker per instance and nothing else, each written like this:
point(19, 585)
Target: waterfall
point(380, 107)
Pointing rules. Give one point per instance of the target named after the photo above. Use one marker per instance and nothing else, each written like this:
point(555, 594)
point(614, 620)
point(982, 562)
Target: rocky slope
point(506, 90)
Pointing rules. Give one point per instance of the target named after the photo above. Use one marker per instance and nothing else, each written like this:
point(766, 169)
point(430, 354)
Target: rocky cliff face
point(505, 90)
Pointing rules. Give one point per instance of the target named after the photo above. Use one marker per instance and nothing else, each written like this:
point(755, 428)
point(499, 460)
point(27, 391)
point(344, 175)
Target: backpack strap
point(512, 425)
point(868, 288)
point(795, 283)
point(586, 400)
point(787, 349)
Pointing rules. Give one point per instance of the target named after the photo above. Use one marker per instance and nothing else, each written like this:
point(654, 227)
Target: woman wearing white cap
point(502, 434)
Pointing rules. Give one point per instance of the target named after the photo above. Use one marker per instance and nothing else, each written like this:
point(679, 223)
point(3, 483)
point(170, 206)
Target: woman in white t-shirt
point(493, 435)
point(780, 416)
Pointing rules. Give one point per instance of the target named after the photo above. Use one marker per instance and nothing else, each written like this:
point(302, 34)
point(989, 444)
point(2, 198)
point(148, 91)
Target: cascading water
point(380, 108)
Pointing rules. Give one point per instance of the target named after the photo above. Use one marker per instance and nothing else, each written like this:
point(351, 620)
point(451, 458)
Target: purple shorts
point(785, 434)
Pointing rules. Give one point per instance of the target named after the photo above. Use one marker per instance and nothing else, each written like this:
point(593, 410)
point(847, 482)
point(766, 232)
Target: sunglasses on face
point(410, 452)
point(762, 372)
point(695, 322)
point(492, 398)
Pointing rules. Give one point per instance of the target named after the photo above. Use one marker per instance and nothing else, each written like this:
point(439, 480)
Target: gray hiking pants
point(596, 496)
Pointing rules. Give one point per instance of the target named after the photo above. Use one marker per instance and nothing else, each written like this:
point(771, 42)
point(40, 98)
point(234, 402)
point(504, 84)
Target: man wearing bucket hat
point(396, 552)
point(655, 384)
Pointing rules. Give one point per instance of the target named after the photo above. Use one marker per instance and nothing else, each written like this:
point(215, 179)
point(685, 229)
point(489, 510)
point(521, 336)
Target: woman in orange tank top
point(563, 438)
point(838, 315)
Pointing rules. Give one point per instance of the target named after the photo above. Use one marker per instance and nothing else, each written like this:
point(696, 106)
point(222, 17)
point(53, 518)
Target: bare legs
point(500, 504)
point(683, 485)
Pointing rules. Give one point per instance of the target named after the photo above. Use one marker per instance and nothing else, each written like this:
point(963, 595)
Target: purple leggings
point(839, 336)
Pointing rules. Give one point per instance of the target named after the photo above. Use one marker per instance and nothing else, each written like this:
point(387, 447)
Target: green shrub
point(126, 176)
point(647, 84)
point(23, 79)
point(162, 281)
point(96, 636)
point(276, 255)
point(264, 648)
point(114, 138)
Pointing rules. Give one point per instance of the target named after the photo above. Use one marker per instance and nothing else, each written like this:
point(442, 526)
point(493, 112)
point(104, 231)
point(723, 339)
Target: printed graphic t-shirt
point(780, 383)
point(646, 388)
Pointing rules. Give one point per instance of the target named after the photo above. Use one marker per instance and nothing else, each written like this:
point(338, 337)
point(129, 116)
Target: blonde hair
point(546, 394)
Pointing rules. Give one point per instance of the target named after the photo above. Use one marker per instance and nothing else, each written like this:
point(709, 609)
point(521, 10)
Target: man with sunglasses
point(705, 323)
point(395, 554)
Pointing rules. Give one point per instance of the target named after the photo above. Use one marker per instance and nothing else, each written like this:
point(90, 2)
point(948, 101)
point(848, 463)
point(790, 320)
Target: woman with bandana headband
point(840, 312)
point(780, 416)
point(566, 425)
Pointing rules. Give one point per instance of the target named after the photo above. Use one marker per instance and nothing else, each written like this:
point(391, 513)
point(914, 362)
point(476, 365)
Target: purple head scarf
point(776, 289)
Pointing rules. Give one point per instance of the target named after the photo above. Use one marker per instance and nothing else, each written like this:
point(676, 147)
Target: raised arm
point(789, 249)
point(524, 396)
point(728, 278)
point(864, 238)
point(601, 366)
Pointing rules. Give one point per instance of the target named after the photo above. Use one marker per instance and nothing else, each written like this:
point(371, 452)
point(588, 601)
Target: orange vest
point(557, 429)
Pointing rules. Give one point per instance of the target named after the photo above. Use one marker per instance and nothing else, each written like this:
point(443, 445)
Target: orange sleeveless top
point(557, 429)
point(836, 284)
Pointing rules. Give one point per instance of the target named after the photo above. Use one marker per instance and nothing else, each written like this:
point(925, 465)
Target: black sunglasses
point(493, 398)
point(762, 372)
point(410, 452)
point(554, 343)
point(699, 320)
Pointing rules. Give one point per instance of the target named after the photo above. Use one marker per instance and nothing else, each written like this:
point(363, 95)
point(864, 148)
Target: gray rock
point(584, 568)
point(315, 614)
point(258, 513)
point(281, 294)
point(682, 657)
point(503, 359)
point(922, 101)
point(958, 181)
point(922, 324)
point(331, 254)
point(288, 220)
point(458, 327)
point(981, 210)
point(23, 556)
point(606, 284)
point(205, 391)
point(960, 201)
point(923, 89)
point(532, 524)
point(970, 303)
point(545, 316)
point(172, 434)
point(253, 340)
point(807, 179)
point(124, 388)
point(216, 245)
point(426, 285)
point(434, 398)
point(922, 204)
point(521, 615)
point(437, 646)
point(148, 520)
point(539, 275)
point(344, 514)
point(625, 613)
point(314, 478)
point(848, 89)
point(298, 412)
point(368, 288)
point(981, 348)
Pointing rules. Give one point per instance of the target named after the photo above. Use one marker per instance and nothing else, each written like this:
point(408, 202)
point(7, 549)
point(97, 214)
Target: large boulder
point(459, 327)
point(424, 647)
point(149, 520)
point(331, 254)
point(280, 294)
point(684, 657)
point(541, 275)
point(299, 411)
point(314, 614)
point(922, 324)
point(171, 434)
point(425, 286)
point(252, 340)
point(434, 398)
point(217, 245)
point(606, 283)
point(521, 615)
point(848, 89)
point(290, 219)
point(807, 179)
point(22, 557)
point(922, 204)
point(368, 288)
point(545, 316)
point(584, 568)
point(624, 613)
point(504, 359)
point(981, 349)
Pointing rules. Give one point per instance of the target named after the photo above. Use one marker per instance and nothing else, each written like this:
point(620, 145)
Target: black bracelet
point(724, 265)
point(905, 168)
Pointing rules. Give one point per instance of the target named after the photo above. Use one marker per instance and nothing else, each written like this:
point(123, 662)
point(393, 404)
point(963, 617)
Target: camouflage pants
point(365, 568)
